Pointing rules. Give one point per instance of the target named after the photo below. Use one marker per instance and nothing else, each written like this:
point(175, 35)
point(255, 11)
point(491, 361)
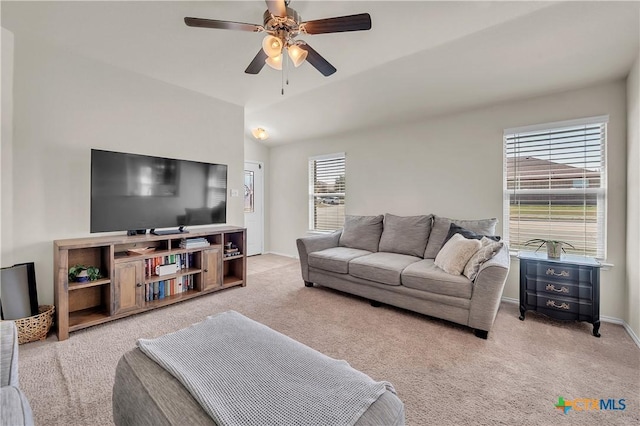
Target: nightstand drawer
point(554, 288)
point(559, 304)
point(565, 273)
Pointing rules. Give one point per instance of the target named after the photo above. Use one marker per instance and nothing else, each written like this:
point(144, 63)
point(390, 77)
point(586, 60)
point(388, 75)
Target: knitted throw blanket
point(244, 373)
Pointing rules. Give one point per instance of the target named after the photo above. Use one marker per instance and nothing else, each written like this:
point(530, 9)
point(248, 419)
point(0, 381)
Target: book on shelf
point(161, 290)
point(188, 243)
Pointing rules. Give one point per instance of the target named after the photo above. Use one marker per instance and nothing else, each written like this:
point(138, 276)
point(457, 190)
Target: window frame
point(312, 194)
point(601, 192)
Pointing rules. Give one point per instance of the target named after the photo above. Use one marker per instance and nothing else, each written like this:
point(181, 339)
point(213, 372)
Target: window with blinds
point(555, 185)
point(327, 175)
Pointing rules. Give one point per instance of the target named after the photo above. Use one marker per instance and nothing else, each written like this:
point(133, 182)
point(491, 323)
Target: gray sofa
point(14, 408)
point(399, 261)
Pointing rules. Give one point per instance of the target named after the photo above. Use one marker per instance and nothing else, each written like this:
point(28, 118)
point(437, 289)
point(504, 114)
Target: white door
point(253, 207)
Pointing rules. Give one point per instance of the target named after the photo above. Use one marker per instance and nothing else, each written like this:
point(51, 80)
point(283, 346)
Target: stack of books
point(191, 243)
point(228, 252)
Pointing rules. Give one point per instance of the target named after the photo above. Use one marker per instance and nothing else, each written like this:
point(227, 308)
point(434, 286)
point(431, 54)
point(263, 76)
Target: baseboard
point(282, 254)
point(611, 320)
point(626, 326)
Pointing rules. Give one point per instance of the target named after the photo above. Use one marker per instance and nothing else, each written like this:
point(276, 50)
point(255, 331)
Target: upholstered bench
point(232, 370)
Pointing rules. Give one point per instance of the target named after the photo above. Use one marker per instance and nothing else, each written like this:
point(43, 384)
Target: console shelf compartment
point(121, 291)
point(78, 286)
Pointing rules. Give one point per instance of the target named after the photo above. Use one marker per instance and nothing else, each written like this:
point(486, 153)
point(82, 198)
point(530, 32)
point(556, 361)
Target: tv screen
point(135, 192)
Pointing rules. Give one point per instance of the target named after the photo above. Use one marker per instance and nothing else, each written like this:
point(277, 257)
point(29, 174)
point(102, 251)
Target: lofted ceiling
point(421, 58)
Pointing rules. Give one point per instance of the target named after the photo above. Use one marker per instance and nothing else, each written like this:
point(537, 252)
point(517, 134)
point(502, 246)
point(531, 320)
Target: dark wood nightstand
point(566, 289)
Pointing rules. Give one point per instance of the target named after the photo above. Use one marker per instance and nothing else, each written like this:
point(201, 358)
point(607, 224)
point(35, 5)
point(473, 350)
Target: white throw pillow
point(487, 251)
point(455, 254)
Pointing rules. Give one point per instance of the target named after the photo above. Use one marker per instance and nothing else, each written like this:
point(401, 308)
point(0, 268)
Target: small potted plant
point(554, 247)
point(81, 273)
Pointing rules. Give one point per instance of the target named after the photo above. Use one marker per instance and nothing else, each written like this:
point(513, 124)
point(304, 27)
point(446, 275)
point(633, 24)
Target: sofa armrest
point(487, 290)
point(9, 350)
point(16, 410)
point(313, 243)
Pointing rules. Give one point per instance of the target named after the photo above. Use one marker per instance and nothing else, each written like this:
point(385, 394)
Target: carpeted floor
point(442, 372)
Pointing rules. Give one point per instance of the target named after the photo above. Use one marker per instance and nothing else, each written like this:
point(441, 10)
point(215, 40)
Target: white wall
point(6, 152)
point(452, 166)
point(633, 198)
point(64, 105)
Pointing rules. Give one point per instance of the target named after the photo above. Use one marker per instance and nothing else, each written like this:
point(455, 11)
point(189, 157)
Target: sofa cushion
point(487, 251)
point(467, 233)
point(381, 267)
point(405, 234)
point(361, 232)
point(425, 275)
point(441, 226)
point(455, 254)
point(335, 259)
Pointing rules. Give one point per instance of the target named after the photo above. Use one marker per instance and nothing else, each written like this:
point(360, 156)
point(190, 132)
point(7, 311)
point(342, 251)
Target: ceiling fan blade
point(258, 62)
point(222, 25)
point(318, 62)
point(277, 7)
point(339, 24)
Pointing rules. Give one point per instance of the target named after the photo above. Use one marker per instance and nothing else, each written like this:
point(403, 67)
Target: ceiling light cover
point(272, 46)
point(275, 63)
point(297, 55)
point(260, 133)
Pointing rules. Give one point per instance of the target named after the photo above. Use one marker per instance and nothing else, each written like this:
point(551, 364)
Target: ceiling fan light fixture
point(275, 63)
point(260, 134)
point(272, 46)
point(297, 55)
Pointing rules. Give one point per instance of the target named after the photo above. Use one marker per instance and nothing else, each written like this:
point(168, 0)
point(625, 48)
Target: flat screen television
point(131, 192)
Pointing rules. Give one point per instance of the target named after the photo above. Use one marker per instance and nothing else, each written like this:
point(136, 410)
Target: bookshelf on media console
point(129, 283)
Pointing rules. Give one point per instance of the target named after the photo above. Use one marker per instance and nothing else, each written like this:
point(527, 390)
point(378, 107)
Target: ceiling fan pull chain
point(287, 66)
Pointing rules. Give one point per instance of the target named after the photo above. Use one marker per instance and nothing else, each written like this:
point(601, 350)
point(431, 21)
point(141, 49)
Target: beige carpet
point(442, 372)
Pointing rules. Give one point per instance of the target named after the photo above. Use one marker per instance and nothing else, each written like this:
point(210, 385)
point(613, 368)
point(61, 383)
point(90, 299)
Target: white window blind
point(555, 185)
point(327, 178)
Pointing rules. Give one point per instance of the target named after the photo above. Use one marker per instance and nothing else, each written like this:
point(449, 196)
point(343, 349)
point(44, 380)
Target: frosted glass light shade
point(260, 133)
point(275, 63)
point(297, 55)
point(272, 46)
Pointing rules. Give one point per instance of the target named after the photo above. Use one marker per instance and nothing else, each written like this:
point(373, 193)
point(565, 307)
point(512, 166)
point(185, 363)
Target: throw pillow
point(487, 251)
point(441, 229)
point(455, 229)
point(361, 232)
point(456, 253)
point(405, 234)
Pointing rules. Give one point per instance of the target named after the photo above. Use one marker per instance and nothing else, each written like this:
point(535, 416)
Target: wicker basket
point(36, 327)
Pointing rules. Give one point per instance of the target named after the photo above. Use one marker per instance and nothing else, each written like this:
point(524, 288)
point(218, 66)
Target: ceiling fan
point(282, 25)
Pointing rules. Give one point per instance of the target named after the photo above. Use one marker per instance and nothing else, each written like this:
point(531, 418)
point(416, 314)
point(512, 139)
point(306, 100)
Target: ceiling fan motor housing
point(286, 27)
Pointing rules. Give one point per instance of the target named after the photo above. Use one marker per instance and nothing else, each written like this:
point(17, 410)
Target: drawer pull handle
point(552, 271)
point(552, 303)
point(562, 289)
